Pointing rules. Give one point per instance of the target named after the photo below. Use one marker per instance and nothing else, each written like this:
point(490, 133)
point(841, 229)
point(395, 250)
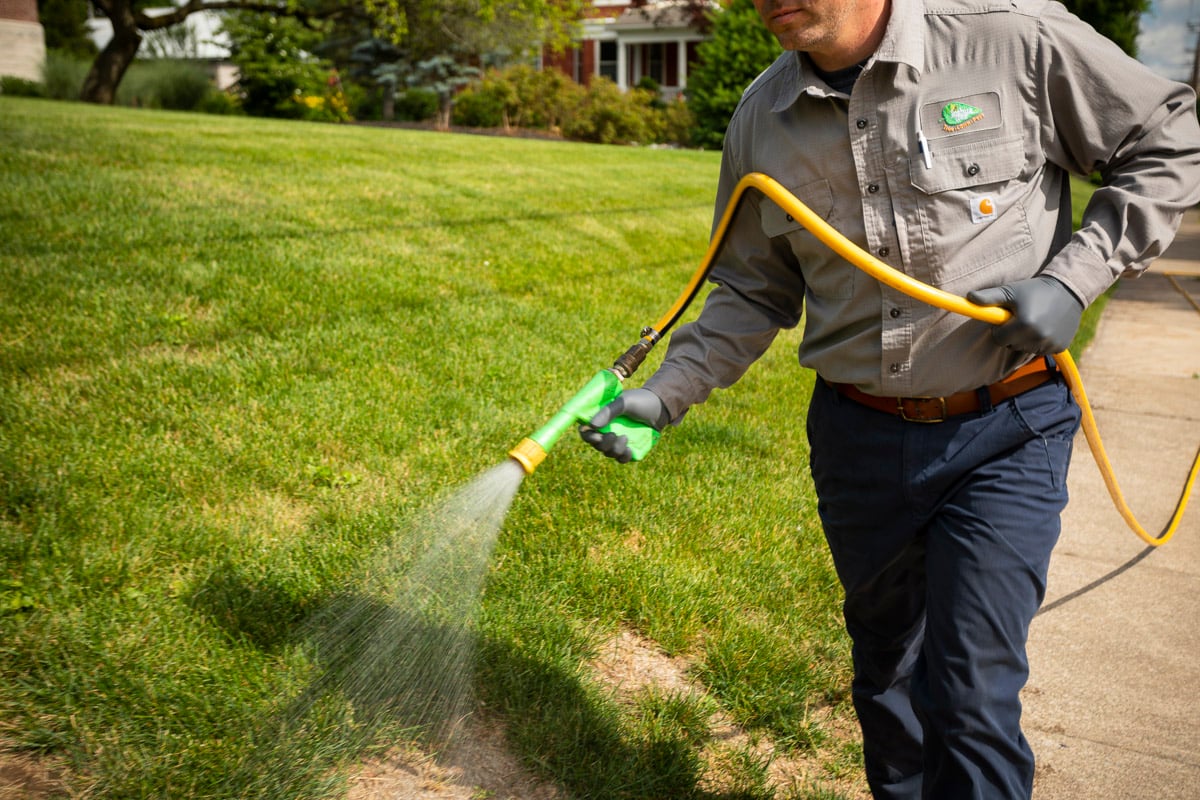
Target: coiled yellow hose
point(936, 297)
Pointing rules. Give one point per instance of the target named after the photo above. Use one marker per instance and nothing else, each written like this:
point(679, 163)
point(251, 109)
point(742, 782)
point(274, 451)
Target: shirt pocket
point(970, 207)
point(823, 275)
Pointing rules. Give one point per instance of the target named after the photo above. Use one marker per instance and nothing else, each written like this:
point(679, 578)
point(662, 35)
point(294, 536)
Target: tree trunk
point(100, 85)
point(389, 102)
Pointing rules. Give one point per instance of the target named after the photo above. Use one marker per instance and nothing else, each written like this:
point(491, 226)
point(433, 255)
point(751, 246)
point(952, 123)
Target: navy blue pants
point(941, 535)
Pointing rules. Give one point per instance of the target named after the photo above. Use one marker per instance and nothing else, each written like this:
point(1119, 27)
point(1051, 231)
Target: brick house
point(627, 43)
point(22, 40)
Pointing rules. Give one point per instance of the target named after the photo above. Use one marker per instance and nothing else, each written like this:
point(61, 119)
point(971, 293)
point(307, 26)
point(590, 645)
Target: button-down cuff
point(1083, 272)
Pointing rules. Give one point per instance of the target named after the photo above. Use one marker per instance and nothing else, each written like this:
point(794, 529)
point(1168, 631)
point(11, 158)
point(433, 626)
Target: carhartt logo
point(983, 208)
point(956, 116)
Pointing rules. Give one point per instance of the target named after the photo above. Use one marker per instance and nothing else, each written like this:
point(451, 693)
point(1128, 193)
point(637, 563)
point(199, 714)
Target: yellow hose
point(935, 297)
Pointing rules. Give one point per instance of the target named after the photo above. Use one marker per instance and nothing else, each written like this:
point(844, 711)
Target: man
point(939, 138)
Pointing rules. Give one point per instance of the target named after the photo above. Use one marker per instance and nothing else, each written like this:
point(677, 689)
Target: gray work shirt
point(1011, 97)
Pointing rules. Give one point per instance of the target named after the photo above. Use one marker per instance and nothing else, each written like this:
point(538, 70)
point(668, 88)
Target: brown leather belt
point(938, 409)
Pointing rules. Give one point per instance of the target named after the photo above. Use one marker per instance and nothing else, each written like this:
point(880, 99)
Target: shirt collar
point(903, 43)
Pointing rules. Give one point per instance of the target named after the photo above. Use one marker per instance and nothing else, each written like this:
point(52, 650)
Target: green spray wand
point(602, 389)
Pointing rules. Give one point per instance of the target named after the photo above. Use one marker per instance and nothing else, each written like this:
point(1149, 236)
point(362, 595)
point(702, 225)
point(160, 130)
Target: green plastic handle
point(639, 437)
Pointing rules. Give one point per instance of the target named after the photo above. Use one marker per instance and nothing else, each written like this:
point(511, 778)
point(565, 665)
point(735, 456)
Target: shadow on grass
point(383, 674)
point(572, 735)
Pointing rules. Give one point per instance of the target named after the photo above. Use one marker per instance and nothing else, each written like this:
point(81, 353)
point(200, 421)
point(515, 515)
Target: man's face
point(803, 24)
point(829, 30)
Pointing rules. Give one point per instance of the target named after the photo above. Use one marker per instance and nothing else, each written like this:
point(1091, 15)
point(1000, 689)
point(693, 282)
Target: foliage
point(278, 76)
point(219, 102)
point(739, 48)
point(416, 105)
point(1119, 20)
point(64, 23)
point(609, 116)
point(519, 97)
point(481, 106)
point(21, 87)
point(443, 75)
point(678, 122)
point(484, 29)
point(522, 97)
point(62, 75)
point(167, 83)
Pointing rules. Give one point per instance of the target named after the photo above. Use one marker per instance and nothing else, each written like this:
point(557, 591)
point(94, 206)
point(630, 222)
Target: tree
point(424, 28)
point(132, 20)
point(441, 42)
point(1119, 20)
point(64, 23)
point(739, 48)
point(444, 76)
point(277, 72)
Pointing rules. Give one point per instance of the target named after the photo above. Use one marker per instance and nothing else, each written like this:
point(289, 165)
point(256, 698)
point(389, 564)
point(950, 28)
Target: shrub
point(219, 102)
point(482, 105)
point(63, 74)
point(610, 116)
point(542, 99)
point(21, 87)
point(678, 122)
point(277, 80)
point(739, 48)
point(164, 83)
point(416, 105)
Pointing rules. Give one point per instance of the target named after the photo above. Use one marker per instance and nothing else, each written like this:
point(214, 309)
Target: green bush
point(164, 83)
point(219, 102)
point(63, 74)
point(541, 99)
point(738, 49)
point(678, 122)
point(610, 116)
point(480, 106)
point(416, 105)
point(275, 82)
point(21, 87)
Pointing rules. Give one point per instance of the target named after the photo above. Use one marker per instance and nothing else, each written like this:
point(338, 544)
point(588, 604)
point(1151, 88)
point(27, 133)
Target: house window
point(608, 60)
point(655, 61)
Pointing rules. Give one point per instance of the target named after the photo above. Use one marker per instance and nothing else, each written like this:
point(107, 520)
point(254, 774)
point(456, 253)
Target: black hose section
point(632, 358)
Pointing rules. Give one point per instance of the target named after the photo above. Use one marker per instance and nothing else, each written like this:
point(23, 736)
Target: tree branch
point(147, 22)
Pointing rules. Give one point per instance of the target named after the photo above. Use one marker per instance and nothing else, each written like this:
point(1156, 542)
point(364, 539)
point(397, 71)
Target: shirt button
point(973, 170)
point(860, 124)
point(873, 188)
point(894, 368)
point(883, 252)
point(895, 312)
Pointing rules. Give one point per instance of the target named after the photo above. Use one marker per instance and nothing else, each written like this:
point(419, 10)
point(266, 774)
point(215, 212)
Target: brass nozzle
point(528, 454)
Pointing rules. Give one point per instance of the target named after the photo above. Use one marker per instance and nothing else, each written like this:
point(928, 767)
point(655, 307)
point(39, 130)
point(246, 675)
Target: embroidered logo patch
point(956, 116)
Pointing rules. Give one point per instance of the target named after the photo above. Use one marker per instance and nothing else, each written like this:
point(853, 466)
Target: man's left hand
point(1045, 314)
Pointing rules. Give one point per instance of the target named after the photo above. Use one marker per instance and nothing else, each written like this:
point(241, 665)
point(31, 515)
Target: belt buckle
point(921, 401)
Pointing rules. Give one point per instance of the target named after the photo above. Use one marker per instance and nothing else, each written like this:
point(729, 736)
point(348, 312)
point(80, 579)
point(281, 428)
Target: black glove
point(638, 405)
point(1045, 314)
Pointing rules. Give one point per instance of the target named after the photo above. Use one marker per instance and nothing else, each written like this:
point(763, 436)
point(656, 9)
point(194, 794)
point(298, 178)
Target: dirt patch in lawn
point(479, 763)
point(27, 777)
point(631, 665)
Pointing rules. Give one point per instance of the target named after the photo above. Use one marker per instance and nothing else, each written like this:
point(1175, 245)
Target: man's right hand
point(638, 405)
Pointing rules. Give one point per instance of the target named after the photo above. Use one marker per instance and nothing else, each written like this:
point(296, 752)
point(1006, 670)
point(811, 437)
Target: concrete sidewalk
point(1112, 708)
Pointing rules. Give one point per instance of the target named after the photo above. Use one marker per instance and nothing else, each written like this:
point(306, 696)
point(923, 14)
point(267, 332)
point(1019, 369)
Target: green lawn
point(240, 359)
point(238, 355)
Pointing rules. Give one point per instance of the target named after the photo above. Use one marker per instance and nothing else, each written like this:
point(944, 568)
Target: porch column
point(622, 64)
point(681, 60)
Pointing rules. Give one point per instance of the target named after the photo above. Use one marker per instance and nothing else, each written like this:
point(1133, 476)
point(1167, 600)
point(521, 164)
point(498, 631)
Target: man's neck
point(863, 34)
